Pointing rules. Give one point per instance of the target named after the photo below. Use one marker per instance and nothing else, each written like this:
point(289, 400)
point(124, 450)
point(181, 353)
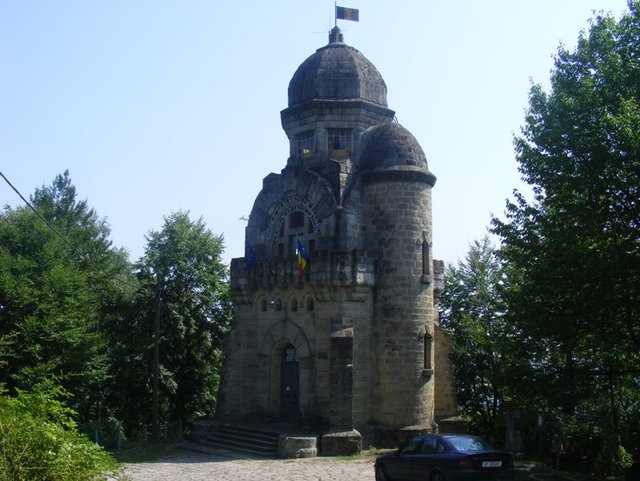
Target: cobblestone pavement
point(227, 467)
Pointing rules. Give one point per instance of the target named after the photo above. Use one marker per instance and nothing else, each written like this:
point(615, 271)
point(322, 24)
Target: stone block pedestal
point(341, 443)
point(297, 446)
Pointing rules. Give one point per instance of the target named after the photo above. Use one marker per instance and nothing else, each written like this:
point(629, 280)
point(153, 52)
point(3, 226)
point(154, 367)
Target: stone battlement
point(338, 269)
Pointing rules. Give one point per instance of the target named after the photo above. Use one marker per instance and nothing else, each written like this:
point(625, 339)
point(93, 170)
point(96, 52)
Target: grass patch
point(374, 452)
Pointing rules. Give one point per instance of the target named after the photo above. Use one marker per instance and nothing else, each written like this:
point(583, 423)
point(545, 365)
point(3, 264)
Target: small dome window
point(305, 144)
point(339, 143)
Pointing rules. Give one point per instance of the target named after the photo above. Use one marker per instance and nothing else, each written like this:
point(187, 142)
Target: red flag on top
point(345, 13)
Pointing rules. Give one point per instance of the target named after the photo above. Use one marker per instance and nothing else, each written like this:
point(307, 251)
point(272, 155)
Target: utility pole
point(156, 361)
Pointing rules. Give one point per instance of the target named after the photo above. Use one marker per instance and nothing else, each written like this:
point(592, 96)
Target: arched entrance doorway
point(289, 384)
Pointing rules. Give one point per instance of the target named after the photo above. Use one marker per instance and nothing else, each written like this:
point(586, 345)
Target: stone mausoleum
point(351, 343)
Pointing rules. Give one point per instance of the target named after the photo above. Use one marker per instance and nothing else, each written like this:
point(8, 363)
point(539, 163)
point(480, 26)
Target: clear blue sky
point(156, 106)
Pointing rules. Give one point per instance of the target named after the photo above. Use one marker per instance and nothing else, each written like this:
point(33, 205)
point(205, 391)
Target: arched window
point(296, 226)
point(276, 304)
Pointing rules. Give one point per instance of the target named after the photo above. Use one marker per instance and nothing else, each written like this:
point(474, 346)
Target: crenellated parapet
point(325, 271)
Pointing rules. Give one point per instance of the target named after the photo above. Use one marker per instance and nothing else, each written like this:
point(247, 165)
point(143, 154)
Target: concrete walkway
point(221, 466)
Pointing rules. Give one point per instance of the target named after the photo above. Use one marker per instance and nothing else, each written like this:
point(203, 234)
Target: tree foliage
point(76, 315)
point(39, 441)
point(53, 293)
point(182, 265)
point(574, 249)
point(484, 346)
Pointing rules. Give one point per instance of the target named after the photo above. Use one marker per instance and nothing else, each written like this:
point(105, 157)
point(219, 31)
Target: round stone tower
point(396, 196)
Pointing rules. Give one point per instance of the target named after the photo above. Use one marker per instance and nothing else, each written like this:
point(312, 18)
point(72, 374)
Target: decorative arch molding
point(290, 331)
point(292, 190)
point(288, 205)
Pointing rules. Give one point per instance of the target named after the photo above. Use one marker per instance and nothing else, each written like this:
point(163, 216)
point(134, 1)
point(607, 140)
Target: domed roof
point(390, 146)
point(337, 71)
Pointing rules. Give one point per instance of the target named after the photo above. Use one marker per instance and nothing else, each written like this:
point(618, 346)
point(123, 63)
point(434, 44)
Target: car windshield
point(411, 447)
point(466, 444)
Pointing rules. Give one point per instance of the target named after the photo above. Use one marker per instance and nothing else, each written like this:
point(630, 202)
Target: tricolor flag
point(345, 13)
point(303, 259)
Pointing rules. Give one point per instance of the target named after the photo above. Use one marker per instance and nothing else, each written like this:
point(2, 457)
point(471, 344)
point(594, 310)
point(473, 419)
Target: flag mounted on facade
point(345, 13)
point(251, 258)
point(303, 259)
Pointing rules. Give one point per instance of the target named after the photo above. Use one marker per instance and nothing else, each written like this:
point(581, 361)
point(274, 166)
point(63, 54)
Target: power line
point(73, 249)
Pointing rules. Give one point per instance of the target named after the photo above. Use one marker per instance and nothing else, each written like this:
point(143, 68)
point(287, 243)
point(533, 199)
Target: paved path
point(227, 467)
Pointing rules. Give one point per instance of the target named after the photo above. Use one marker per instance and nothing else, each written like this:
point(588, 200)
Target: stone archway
point(281, 336)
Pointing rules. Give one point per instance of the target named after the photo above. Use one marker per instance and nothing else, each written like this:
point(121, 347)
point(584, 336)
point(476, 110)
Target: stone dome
point(337, 72)
point(390, 146)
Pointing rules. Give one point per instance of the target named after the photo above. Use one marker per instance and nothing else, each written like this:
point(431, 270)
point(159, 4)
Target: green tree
point(182, 265)
point(129, 334)
point(55, 290)
point(484, 351)
point(574, 249)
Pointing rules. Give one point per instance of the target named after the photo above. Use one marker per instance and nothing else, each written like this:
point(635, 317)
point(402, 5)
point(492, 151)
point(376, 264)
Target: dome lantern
point(335, 35)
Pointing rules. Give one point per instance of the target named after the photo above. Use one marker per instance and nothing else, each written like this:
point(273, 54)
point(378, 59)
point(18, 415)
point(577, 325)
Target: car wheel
point(437, 476)
point(381, 473)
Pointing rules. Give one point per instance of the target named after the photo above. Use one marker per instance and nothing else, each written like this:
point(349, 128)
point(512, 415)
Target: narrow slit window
point(428, 341)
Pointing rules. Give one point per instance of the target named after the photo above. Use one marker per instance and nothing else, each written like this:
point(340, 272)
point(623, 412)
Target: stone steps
point(243, 439)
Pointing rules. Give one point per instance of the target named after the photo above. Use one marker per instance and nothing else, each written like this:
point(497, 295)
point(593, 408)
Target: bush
point(39, 441)
point(614, 459)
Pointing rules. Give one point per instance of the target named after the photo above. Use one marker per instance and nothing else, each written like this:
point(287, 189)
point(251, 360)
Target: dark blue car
point(446, 457)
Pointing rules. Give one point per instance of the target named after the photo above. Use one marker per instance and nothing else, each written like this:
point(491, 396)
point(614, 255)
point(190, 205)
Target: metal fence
point(111, 436)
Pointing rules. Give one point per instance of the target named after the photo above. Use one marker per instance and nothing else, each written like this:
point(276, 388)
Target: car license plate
point(491, 464)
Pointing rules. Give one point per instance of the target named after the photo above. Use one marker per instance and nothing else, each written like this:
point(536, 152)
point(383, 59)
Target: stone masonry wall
point(400, 223)
point(445, 393)
point(314, 315)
